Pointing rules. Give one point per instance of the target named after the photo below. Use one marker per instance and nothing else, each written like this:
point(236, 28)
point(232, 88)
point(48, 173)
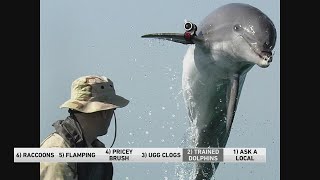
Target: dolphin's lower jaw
point(264, 63)
point(265, 59)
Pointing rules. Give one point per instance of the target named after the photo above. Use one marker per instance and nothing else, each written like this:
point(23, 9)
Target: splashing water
point(184, 170)
point(187, 170)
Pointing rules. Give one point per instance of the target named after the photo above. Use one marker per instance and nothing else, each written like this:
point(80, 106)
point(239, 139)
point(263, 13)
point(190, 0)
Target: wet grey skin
point(230, 41)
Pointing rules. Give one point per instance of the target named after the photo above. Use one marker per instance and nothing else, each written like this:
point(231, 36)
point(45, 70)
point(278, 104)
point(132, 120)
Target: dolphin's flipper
point(233, 99)
point(236, 85)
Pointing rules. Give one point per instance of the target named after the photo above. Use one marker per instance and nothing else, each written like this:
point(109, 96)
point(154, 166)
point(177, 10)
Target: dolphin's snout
point(266, 56)
point(270, 60)
point(267, 53)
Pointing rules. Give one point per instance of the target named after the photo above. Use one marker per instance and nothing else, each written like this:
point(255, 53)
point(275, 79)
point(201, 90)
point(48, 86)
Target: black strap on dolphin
point(189, 37)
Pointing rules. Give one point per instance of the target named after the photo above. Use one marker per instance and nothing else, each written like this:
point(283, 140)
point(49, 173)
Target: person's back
point(91, 107)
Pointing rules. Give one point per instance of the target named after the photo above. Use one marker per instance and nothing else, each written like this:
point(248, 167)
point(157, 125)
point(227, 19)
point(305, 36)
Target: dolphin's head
point(239, 31)
point(242, 31)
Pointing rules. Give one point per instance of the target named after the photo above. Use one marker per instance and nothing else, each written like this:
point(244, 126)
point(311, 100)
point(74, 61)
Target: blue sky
point(81, 37)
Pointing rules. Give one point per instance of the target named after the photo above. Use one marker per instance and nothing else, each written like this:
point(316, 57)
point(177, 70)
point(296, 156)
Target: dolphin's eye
point(237, 27)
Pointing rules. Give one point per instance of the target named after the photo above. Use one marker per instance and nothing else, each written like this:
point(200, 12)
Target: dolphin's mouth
point(264, 55)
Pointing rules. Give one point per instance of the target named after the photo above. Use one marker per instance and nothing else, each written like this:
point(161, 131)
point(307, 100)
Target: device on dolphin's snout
point(190, 29)
point(188, 37)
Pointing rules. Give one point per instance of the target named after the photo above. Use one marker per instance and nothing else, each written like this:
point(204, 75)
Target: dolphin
point(231, 40)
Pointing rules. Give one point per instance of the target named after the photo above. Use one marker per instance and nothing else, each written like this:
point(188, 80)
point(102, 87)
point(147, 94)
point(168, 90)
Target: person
point(91, 107)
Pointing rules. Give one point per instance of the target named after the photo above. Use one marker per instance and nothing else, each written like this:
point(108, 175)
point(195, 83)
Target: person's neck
point(88, 134)
point(89, 137)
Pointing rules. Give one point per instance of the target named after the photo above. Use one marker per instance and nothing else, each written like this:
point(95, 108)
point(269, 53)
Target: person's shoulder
point(54, 140)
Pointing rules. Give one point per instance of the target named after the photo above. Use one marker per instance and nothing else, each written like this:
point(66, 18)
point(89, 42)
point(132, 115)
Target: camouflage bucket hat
point(93, 93)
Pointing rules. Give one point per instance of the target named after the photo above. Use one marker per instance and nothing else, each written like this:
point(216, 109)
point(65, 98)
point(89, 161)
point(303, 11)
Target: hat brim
point(94, 106)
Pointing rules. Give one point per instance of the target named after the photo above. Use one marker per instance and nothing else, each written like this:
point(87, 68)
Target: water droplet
point(130, 134)
point(173, 115)
point(172, 135)
point(140, 117)
point(150, 141)
point(162, 126)
point(147, 132)
point(170, 128)
point(127, 177)
point(162, 140)
point(170, 87)
point(165, 178)
point(149, 113)
point(163, 108)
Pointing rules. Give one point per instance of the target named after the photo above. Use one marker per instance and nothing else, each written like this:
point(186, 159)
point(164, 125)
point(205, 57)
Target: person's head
point(93, 101)
point(97, 122)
